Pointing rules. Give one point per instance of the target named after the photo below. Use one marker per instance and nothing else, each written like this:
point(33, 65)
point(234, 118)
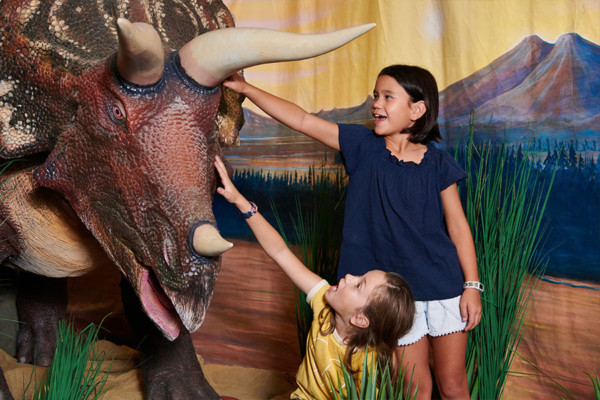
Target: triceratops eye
point(117, 112)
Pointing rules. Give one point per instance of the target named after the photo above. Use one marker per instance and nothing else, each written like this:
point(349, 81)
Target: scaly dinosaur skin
point(117, 109)
point(131, 185)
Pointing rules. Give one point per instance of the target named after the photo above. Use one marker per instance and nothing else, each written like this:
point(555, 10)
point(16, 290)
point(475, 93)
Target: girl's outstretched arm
point(270, 240)
point(460, 233)
point(287, 113)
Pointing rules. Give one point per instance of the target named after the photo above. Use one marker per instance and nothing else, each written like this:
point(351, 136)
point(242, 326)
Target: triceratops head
point(136, 161)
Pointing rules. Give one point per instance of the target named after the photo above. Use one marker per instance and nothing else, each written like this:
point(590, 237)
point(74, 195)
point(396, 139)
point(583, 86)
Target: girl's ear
point(418, 109)
point(360, 320)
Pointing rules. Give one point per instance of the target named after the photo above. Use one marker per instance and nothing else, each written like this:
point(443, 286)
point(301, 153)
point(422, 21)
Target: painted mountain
point(537, 88)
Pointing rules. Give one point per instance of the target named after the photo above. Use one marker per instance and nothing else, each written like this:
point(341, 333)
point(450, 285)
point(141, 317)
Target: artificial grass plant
point(376, 383)
point(77, 370)
point(505, 202)
point(596, 384)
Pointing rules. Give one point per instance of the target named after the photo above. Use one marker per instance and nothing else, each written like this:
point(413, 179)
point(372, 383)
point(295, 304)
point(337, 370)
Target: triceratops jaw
point(170, 308)
point(191, 302)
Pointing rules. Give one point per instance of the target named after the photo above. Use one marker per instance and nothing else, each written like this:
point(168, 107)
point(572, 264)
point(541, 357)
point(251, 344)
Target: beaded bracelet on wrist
point(473, 285)
point(253, 210)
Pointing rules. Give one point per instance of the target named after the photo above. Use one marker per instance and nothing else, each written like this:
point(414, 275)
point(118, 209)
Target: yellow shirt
point(323, 355)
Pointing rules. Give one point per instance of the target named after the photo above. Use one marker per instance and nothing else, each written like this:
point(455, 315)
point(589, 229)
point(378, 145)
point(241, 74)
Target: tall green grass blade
point(375, 383)
point(506, 198)
point(596, 384)
point(76, 372)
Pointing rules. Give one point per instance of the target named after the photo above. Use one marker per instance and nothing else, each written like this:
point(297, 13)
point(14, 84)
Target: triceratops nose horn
point(213, 56)
point(141, 58)
point(208, 242)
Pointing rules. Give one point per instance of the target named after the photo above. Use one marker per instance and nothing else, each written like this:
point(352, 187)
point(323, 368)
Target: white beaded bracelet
point(473, 285)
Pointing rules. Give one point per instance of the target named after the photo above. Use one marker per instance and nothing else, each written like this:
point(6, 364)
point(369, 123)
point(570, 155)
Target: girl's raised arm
point(270, 240)
point(288, 113)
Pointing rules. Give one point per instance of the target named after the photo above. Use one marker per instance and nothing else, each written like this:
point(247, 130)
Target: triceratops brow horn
point(213, 56)
point(141, 58)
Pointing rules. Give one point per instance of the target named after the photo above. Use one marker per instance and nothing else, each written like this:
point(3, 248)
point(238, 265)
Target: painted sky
point(451, 38)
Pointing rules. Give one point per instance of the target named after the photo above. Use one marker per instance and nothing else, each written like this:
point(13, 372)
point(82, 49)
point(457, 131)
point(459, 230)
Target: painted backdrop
point(528, 69)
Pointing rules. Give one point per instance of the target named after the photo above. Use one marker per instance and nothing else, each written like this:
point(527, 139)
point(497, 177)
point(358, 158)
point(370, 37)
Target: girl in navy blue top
point(403, 214)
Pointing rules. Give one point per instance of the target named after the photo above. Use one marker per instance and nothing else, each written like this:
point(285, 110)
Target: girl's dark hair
point(390, 310)
point(420, 85)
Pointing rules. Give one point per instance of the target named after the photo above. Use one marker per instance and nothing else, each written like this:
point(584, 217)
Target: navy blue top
point(394, 217)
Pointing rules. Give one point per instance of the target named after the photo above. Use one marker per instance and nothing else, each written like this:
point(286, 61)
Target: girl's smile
point(378, 118)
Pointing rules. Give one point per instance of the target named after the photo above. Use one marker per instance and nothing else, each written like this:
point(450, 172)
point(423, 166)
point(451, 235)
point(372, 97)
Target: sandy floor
point(250, 327)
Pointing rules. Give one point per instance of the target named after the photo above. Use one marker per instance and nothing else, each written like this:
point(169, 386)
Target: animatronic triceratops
point(119, 124)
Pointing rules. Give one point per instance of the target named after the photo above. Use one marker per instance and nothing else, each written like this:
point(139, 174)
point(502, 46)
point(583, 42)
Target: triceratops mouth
point(158, 306)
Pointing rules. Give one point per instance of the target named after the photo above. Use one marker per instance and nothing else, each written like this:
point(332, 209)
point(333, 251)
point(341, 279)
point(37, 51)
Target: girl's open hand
point(228, 191)
point(236, 82)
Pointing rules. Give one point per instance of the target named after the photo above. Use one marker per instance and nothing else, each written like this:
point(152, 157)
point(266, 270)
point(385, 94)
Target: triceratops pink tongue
point(158, 306)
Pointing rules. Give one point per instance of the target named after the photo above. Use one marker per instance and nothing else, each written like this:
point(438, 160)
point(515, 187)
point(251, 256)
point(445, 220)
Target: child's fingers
point(228, 190)
point(234, 82)
point(219, 163)
point(463, 310)
point(474, 316)
point(470, 324)
point(221, 169)
point(470, 309)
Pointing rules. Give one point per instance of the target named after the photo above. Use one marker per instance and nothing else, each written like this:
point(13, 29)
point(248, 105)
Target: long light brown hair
point(390, 310)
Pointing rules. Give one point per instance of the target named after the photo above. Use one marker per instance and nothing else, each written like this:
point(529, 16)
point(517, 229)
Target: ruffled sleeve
point(450, 171)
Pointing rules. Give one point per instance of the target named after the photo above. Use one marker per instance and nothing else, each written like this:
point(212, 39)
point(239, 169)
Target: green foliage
point(595, 383)
point(505, 203)
point(376, 383)
point(317, 227)
point(76, 369)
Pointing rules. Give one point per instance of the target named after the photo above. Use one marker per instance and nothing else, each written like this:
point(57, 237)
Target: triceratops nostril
point(204, 240)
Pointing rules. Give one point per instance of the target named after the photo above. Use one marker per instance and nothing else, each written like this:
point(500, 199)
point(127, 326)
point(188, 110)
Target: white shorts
point(434, 318)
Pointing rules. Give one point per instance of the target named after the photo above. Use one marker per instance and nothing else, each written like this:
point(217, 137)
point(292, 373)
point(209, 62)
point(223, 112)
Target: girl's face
point(352, 292)
point(392, 109)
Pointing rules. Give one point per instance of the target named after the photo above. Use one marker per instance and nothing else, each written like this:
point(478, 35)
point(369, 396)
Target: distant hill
point(550, 89)
point(536, 84)
point(501, 76)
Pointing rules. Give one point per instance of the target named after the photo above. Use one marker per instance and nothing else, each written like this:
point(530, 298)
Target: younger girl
point(368, 312)
point(403, 214)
